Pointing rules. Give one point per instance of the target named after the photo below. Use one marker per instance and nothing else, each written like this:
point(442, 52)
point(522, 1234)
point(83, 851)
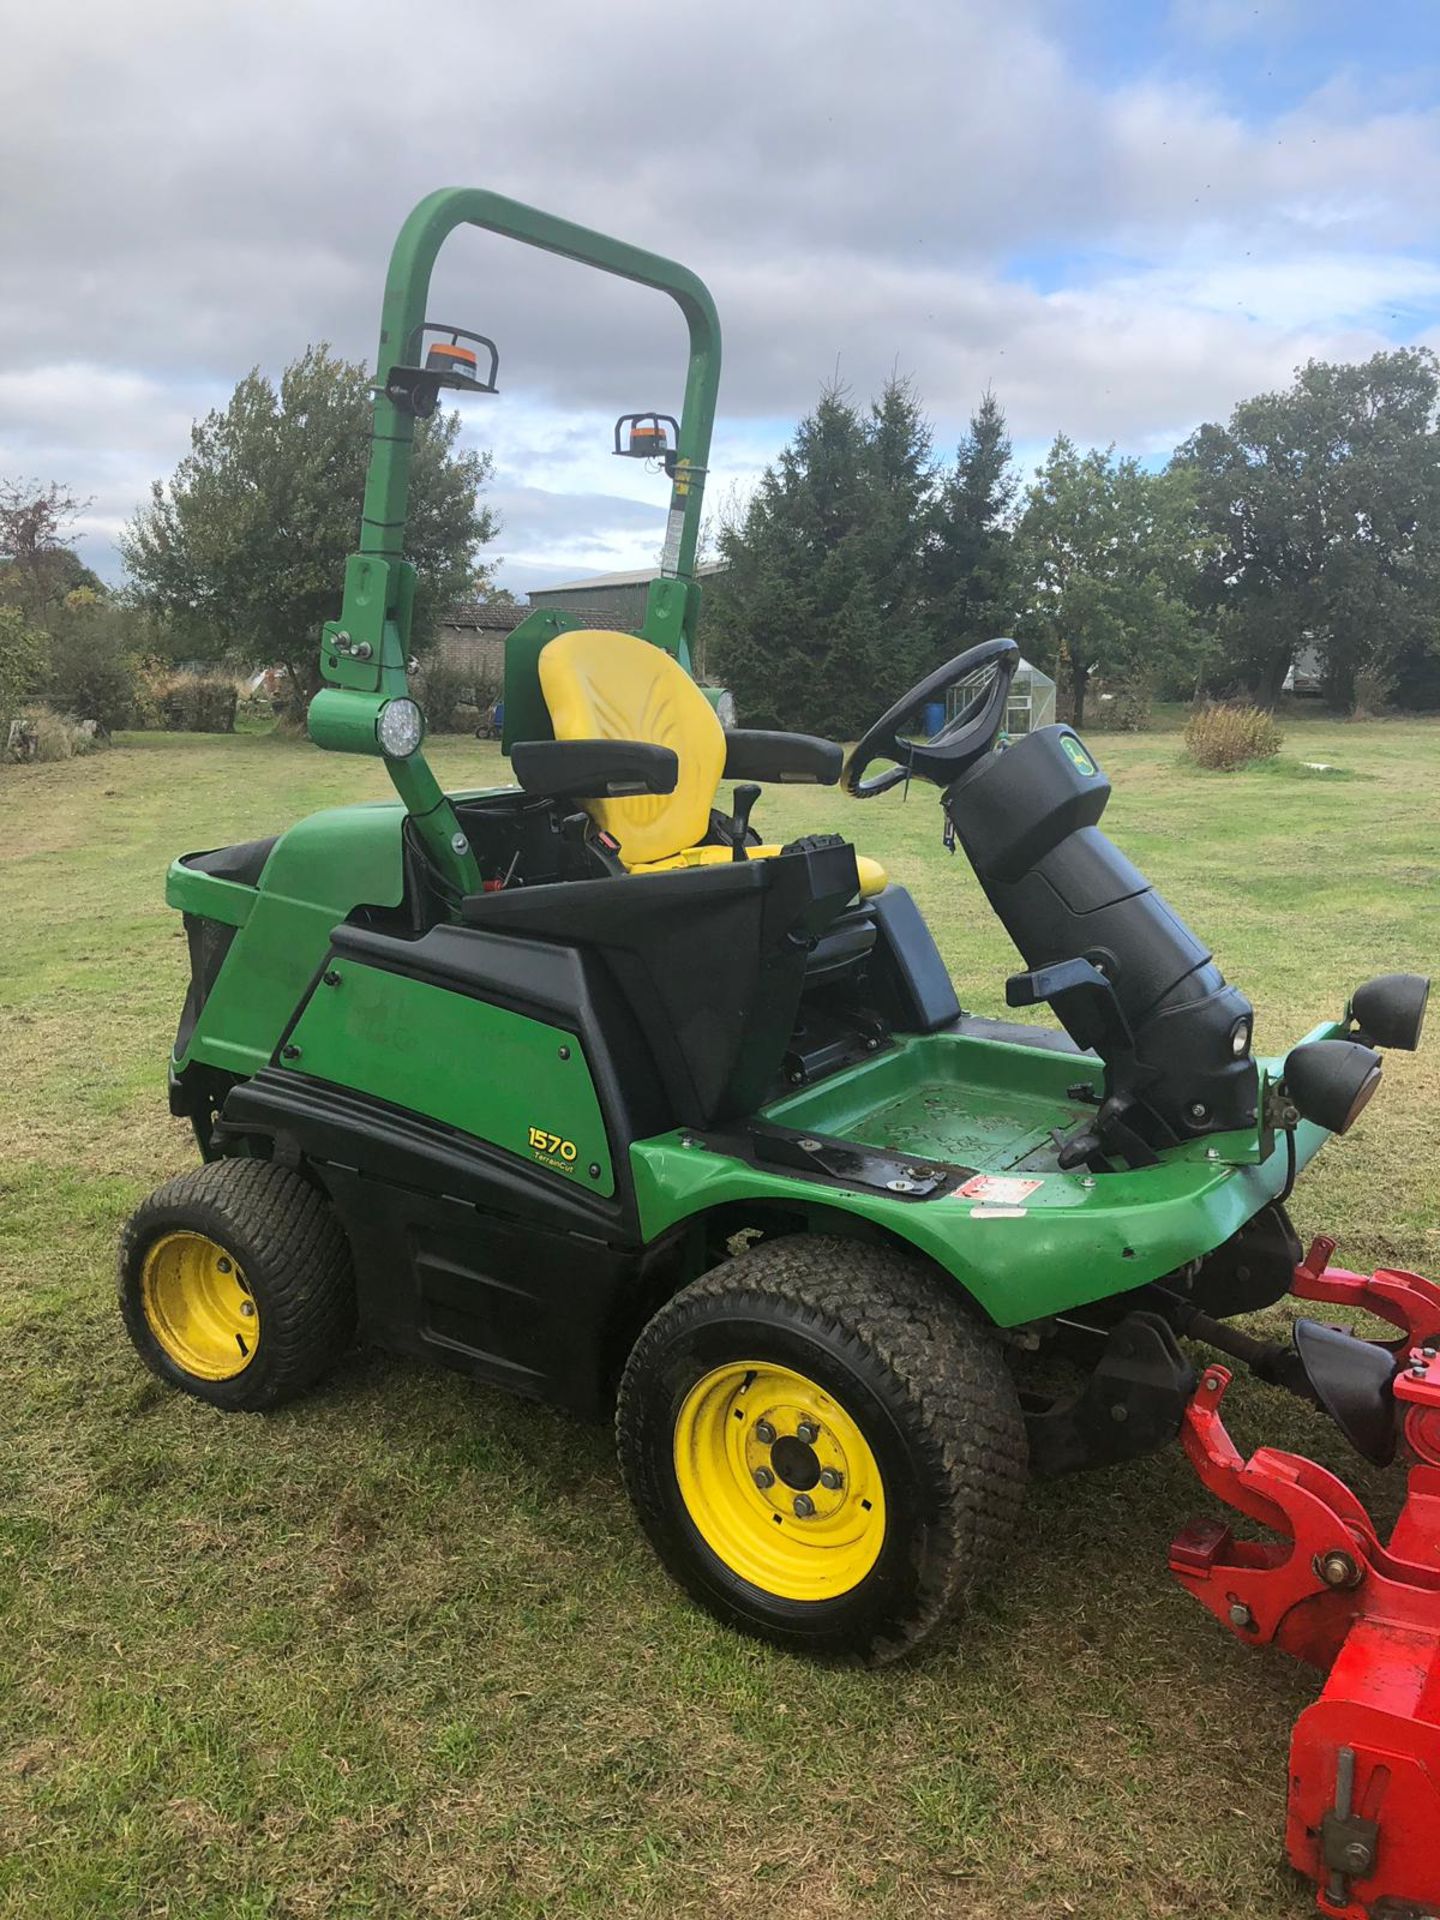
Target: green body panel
point(228, 901)
point(495, 1075)
point(324, 867)
point(990, 1105)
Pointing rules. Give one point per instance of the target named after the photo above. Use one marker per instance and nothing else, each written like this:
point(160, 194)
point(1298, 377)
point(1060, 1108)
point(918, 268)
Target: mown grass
point(398, 1650)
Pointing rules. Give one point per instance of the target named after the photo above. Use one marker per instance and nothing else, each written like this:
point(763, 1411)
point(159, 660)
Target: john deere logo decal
point(1076, 754)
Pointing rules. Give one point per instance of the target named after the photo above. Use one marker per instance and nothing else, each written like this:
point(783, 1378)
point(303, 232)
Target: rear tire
point(823, 1448)
point(235, 1284)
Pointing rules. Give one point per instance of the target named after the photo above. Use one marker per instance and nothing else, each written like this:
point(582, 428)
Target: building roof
point(483, 618)
point(641, 577)
point(485, 614)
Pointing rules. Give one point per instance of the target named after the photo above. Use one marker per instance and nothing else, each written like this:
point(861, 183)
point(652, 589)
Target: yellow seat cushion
point(873, 877)
point(613, 686)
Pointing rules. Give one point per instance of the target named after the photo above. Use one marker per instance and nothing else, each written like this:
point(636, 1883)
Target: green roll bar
point(363, 654)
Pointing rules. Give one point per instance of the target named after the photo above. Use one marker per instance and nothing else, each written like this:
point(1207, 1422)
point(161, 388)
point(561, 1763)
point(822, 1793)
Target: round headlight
point(1240, 1039)
point(399, 729)
point(1330, 1081)
point(1390, 1011)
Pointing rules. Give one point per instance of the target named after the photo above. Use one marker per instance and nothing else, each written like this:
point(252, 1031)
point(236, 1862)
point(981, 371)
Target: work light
point(1389, 1011)
point(1330, 1082)
point(400, 728)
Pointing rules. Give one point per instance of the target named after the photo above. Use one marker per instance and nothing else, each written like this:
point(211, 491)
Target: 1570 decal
point(551, 1146)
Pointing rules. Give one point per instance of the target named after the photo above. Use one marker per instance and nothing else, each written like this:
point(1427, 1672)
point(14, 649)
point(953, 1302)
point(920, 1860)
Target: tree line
point(1309, 521)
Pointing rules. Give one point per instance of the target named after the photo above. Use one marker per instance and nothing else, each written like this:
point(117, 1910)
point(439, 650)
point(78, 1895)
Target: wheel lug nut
point(764, 1477)
point(247, 1309)
point(222, 1265)
point(831, 1478)
point(808, 1431)
point(765, 1433)
point(804, 1506)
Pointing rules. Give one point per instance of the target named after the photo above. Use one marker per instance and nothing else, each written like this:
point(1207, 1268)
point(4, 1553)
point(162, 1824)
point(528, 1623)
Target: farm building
point(471, 637)
point(619, 596)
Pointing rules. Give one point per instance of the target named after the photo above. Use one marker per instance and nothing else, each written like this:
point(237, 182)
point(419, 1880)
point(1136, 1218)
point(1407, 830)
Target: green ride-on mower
point(580, 1086)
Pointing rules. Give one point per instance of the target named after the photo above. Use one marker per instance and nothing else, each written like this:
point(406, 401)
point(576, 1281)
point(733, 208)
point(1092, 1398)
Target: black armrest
point(793, 758)
point(593, 769)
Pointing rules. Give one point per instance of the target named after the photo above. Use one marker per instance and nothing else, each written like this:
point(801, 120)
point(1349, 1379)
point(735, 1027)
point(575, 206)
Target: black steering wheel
point(957, 746)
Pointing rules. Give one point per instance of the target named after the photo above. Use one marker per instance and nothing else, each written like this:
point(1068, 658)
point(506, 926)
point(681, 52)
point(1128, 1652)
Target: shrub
point(92, 672)
point(199, 703)
point(152, 677)
point(39, 733)
point(1374, 691)
point(1128, 708)
point(22, 660)
point(441, 689)
point(1224, 738)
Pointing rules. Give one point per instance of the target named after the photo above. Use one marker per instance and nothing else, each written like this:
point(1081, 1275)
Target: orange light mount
point(414, 386)
point(652, 436)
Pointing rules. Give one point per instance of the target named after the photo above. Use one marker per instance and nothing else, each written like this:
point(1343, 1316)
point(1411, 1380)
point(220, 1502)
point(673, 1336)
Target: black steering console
point(1126, 977)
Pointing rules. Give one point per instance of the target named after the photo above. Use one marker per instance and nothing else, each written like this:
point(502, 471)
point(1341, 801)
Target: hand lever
point(743, 805)
point(1085, 1001)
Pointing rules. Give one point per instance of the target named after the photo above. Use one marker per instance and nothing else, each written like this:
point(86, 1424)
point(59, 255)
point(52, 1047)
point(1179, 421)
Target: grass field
point(399, 1651)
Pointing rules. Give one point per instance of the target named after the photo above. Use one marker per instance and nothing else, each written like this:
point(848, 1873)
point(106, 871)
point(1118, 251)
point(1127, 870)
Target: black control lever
point(1090, 1010)
point(1085, 1000)
point(743, 805)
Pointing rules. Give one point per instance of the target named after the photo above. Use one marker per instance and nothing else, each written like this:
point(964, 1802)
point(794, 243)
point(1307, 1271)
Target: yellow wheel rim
point(779, 1481)
point(198, 1306)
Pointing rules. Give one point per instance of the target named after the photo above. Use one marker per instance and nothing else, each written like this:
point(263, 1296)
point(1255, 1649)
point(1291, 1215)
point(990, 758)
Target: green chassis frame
point(271, 1014)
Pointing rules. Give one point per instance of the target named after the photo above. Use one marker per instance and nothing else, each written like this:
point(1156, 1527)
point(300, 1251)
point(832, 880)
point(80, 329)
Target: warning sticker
point(999, 1189)
point(674, 527)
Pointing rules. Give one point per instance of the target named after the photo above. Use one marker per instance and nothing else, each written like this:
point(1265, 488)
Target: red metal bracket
point(1364, 1813)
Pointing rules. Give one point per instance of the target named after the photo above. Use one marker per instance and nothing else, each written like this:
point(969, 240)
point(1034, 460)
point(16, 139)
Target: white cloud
point(195, 190)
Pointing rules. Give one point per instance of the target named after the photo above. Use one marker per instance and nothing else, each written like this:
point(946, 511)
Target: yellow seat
point(873, 878)
point(613, 686)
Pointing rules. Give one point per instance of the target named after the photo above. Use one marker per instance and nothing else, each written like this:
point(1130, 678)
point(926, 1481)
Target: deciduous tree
point(243, 549)
point(1324, 504)
point(1102, 554)
point(38, 565)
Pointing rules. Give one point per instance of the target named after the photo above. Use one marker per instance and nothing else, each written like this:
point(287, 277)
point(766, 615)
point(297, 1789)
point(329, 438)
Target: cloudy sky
point(1123, 217)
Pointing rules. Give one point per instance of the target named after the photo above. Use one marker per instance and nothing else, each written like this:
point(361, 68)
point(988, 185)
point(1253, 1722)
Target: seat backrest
point(613, 686)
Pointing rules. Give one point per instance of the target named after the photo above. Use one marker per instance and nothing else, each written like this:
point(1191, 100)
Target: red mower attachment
point(1364, 1812)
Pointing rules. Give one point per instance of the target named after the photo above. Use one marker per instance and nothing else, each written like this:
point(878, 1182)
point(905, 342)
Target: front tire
point(823, 1447)
point(235, 1284)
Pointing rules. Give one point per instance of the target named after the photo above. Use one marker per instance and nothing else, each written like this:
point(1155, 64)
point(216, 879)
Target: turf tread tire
point(942, 1372)
point(296, 1261)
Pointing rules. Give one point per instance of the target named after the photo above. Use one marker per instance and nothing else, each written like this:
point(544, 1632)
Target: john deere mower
point(583, 1087)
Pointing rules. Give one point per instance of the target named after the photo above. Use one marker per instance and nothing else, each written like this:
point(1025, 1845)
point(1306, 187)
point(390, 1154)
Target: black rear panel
point(209, 940)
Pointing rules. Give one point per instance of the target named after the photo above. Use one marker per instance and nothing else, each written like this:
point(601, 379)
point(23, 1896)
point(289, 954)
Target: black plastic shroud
point(1028, 819)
